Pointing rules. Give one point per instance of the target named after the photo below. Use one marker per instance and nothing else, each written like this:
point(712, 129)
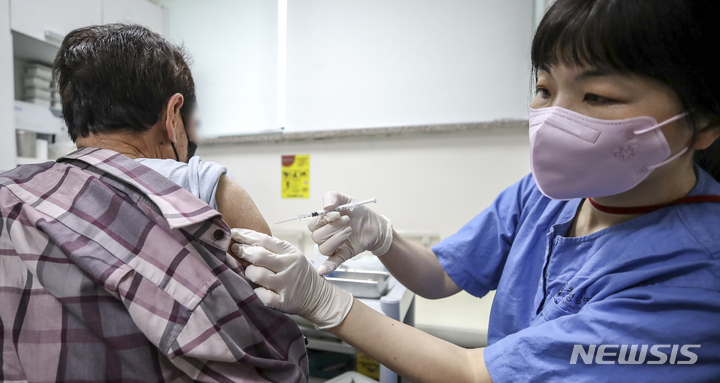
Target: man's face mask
point(191, 146)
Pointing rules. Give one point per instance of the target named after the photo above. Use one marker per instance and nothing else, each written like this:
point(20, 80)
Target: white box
point(38, 101)
point(37, 70)
point(37, 82)
point(38, 93)
point(351, 376)
point(41, 149)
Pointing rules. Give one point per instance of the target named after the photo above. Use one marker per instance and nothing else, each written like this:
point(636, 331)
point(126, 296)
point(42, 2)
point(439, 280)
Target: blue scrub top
point(652, 282)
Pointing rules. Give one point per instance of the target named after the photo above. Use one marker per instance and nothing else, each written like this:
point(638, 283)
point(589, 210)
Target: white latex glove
point(289, 283)
point(343, 235)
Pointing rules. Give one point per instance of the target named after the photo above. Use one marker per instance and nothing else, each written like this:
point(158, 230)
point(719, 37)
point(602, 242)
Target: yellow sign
point(368, 366)
point(296, 176)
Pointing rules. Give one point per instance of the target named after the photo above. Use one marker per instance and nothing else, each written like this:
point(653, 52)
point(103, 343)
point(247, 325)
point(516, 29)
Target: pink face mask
point(575, 156)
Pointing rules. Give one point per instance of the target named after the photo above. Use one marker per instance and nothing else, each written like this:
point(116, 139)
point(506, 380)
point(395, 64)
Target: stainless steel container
point(361, 283)
point(25, 143)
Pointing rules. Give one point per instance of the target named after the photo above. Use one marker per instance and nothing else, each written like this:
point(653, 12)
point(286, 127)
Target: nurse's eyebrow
point(591, 73)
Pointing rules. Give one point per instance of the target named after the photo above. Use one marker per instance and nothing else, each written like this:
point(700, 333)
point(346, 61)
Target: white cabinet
point(140, 12)
point(38, 27)
point(51, 20)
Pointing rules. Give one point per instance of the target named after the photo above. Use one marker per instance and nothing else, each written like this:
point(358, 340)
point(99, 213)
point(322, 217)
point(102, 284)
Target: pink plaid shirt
point(111, 272)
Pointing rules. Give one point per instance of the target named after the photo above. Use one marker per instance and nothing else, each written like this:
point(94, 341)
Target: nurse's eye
point(600, 100)
point(542, 92)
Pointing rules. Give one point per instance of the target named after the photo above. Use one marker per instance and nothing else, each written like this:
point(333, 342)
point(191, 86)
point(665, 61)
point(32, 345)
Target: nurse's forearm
point(409, 352)
point(418, 269)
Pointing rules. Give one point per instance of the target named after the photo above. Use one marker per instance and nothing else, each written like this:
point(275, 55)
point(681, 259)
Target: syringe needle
point(287, 220)
point(348, 206)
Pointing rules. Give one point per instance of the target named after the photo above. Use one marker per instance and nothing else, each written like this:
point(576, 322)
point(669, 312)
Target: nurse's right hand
point(343, 235)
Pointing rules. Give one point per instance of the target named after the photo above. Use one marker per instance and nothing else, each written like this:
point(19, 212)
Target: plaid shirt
point(111, 272)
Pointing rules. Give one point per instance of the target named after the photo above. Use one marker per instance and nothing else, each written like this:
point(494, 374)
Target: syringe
point(348, 206)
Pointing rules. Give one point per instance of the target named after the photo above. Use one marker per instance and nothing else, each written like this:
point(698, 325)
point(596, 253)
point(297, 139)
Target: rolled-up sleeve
point(474, 257)
point(204, 177)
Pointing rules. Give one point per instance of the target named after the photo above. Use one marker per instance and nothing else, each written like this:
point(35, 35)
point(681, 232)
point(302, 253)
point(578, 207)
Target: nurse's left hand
point(289, 282)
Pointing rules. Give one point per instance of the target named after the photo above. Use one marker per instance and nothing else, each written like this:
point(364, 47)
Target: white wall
point(141, 12)
point(540, 7)
point(234, 49)
point(431, 182)
point(378, 63)
point(370, 63)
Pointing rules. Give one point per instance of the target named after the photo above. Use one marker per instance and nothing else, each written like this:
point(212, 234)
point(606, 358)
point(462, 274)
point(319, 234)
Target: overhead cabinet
point(51, 20)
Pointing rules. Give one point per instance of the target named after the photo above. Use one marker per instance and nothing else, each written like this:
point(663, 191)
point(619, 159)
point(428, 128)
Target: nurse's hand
point(289, 283)
point(343, 235)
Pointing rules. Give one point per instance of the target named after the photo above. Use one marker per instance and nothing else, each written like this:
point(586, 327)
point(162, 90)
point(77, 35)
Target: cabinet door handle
point(53, 37)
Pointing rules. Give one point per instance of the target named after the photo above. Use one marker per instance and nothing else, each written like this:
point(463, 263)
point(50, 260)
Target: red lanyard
point(651, 208)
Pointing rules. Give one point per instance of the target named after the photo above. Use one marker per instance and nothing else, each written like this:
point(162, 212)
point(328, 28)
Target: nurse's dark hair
point(119, 77)
point(672, 41)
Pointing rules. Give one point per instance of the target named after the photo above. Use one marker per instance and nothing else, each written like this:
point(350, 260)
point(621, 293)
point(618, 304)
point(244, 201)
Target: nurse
point(606, 259)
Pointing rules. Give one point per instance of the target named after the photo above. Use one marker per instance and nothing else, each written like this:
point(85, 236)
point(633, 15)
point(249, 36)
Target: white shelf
point(28, 160)
point(26, 48)
point(38, 118)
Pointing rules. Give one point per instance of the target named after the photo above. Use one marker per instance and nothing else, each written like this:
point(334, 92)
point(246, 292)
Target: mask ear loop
point(674, 156)
point(669, 159)
point(177, 158)
point(679, 116)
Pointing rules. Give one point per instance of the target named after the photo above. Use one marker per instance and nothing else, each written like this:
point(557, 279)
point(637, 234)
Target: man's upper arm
point(238, 208)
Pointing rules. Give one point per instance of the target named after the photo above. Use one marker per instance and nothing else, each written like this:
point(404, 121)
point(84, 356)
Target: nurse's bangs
point(618, 35)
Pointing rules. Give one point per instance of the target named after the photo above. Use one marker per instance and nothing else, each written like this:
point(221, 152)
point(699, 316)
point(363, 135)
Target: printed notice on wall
point(296, 176)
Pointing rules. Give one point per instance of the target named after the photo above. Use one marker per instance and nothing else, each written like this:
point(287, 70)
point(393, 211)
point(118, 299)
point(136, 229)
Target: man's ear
point(173, 119)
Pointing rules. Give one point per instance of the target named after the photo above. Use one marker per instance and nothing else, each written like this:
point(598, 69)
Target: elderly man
point(110, 271)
